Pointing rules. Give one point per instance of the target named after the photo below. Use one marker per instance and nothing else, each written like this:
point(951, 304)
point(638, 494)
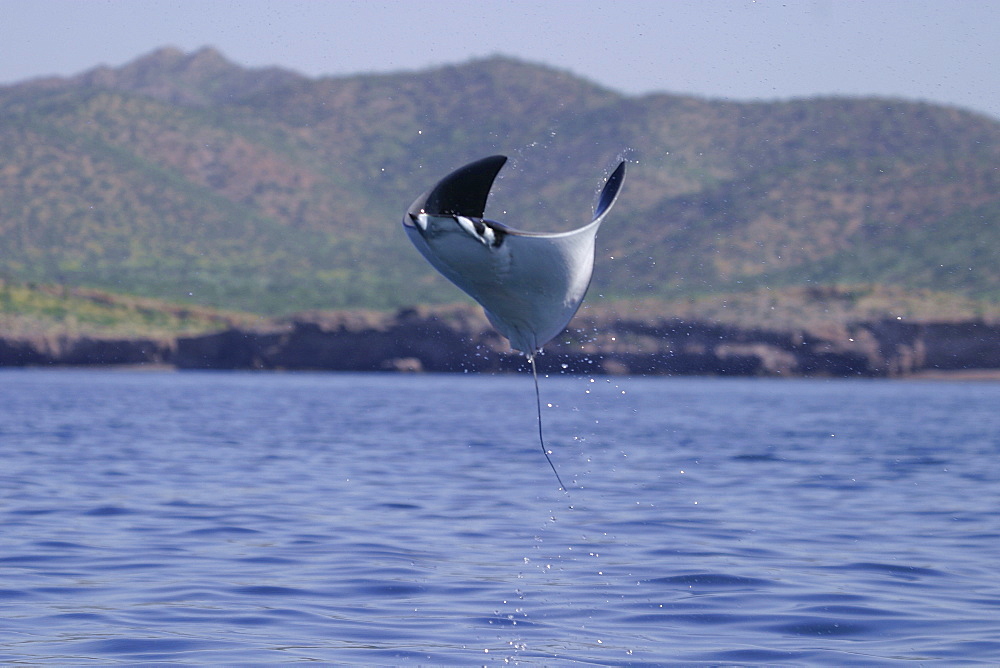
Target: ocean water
point(194, 518)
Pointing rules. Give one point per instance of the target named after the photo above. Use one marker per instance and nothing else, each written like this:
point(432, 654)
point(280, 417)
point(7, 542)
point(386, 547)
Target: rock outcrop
point(460, 339)
point(83, 351)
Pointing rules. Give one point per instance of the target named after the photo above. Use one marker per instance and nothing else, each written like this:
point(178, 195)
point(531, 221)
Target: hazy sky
point(944, 51)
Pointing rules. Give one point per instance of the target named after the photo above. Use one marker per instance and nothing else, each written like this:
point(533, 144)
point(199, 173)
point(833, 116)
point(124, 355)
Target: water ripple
point(257, 519)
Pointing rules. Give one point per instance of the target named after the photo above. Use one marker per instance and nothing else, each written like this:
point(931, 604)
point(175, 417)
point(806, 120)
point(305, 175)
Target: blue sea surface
point(193, 518)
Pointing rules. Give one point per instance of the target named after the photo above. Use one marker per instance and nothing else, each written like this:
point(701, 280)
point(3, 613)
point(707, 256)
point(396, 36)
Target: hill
point(186, 177)
point(60, 312)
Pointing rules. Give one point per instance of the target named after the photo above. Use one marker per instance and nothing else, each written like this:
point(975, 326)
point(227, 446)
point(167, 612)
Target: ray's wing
point(463, 192)
point(610, 192)
point(530, 284)
point(547, 279)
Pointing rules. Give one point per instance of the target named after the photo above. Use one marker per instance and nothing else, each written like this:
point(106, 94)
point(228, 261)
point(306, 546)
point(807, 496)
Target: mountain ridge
point(191, 178)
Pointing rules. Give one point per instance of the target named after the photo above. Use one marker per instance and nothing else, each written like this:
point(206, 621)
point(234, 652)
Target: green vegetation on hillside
point(47, 310)
point(189, 179)
point(816, 308)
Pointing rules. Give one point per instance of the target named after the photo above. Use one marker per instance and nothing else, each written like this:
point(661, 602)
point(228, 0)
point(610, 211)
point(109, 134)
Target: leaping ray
point(530, 284)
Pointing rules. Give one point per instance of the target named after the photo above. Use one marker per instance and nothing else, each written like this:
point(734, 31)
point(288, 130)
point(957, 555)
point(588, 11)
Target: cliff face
point(411, 340)
point(460, 339)
point(906, 347)
point(83, 351)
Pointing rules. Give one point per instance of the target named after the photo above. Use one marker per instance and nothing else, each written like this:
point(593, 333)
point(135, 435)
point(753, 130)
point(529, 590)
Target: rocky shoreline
point(459, 339)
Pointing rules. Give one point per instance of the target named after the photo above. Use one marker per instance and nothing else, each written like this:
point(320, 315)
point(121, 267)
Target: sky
point(943, 51)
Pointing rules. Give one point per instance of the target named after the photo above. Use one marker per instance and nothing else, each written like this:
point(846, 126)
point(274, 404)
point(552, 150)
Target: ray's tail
point(541, 438)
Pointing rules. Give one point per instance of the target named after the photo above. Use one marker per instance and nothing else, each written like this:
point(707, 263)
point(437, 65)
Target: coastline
point(459, 339)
